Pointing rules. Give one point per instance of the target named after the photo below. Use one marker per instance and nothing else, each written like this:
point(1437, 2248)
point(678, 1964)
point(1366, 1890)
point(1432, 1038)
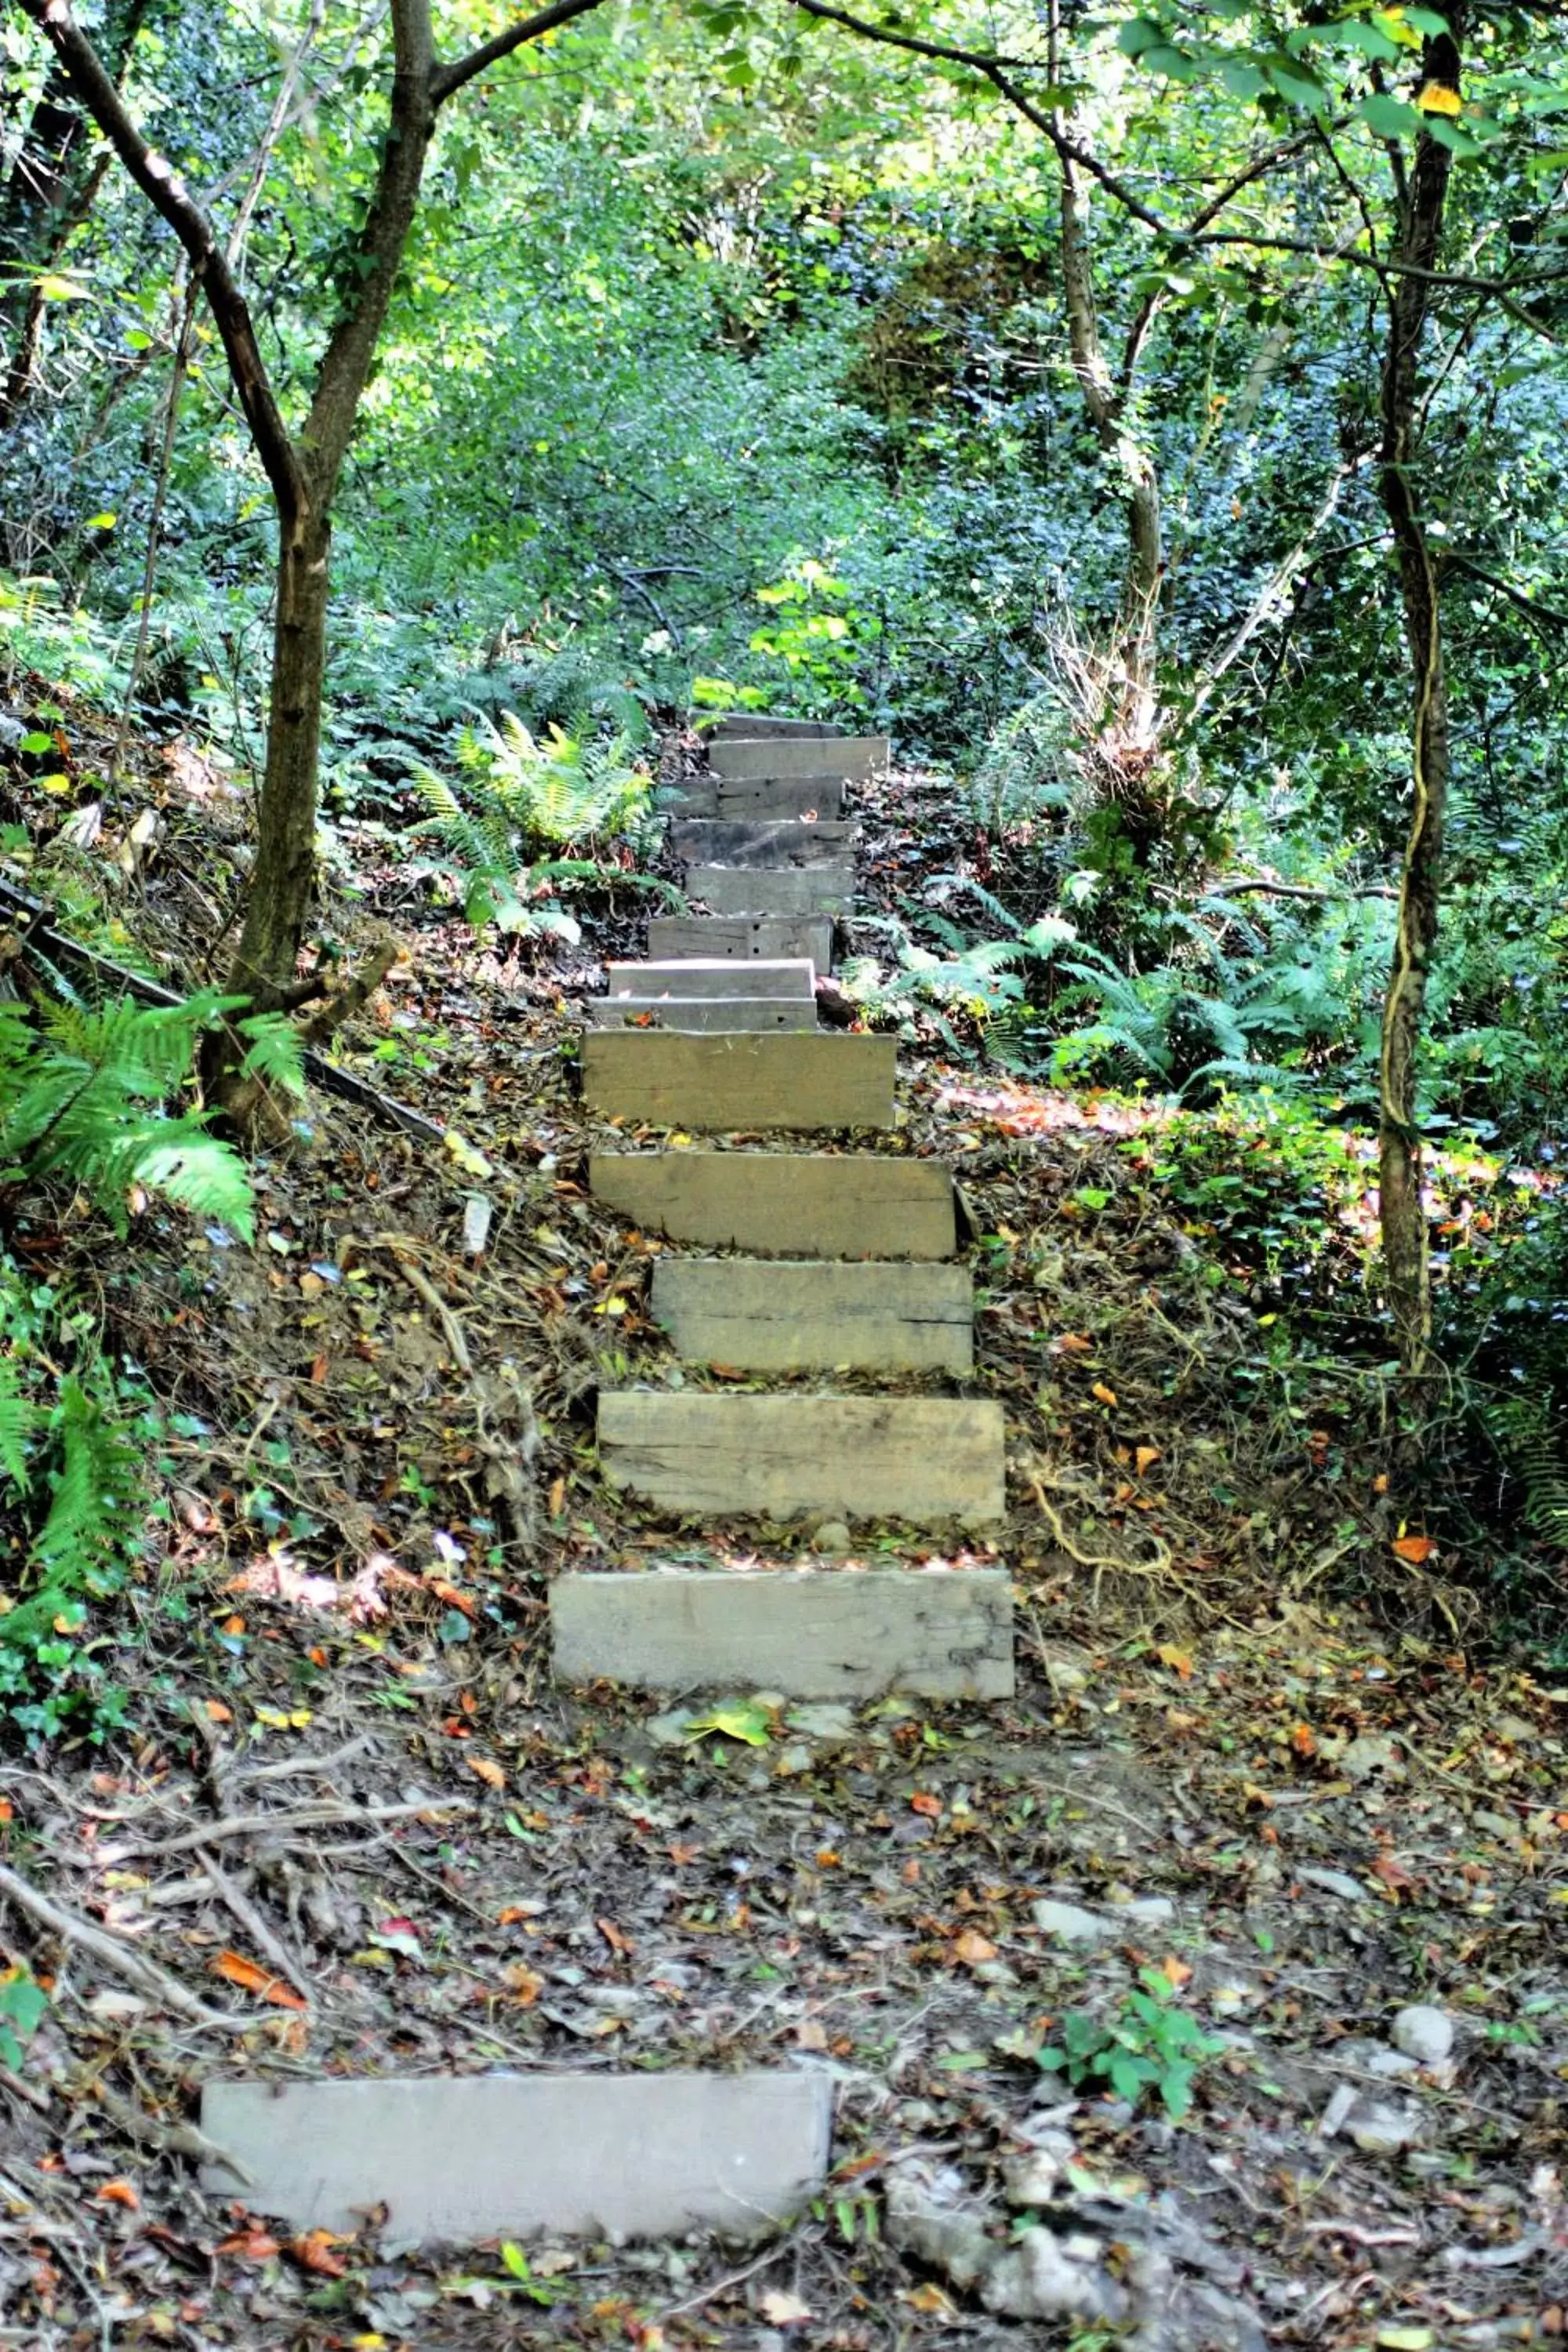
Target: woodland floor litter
point(362, 1832)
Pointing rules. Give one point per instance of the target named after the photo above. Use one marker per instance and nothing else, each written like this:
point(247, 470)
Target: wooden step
point(772, 843)
point(757, 722)
point(814, 1633)
point(754, 798)
point(854, 756)
point(793, 890)
point(769, 937)
point(813, 1205)
point(450, 2160)
point(714, 976)
point(924, 1460)
point(699, 1015)
point(727, 1083)
point(782, 1316)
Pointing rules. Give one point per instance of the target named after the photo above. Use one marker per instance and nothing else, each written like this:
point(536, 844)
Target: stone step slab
point(676, 937)
point(772, 843)
point(758, 799)
point(832, 1633)
point(728, 1082)
point(457, 2160)
point(700, 1015)
point(758, 722)
point(923, 1460)
point(854, 756)
point(714, 976)
point(805, 1205)
point(790, 890)
point(782, 1315)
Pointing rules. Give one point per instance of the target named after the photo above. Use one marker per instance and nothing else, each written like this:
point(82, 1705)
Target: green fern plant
point(522, 797)
point(82, 1090)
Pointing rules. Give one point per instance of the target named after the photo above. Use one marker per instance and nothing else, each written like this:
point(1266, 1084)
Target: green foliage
point(821, 636)
point(81, 1097)
point(519, 796)
point(72, 1442)
point(1149, 2045)
point(23, 2005)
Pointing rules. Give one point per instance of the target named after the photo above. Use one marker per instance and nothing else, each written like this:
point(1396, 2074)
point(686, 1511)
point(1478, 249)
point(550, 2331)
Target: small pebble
point(1423, 2034)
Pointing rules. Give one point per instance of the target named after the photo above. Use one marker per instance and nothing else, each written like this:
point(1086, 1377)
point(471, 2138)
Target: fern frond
point(18, 1420)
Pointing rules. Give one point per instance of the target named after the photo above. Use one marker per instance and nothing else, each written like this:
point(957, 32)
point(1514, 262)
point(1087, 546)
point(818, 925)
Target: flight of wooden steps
point(843, 1261)
point(847, 1268)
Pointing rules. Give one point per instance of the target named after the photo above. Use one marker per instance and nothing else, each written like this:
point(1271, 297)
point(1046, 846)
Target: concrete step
point(727, 1083)
point(923, 1460)
point(784, 1314)
point(699, 1015)
point(790, 890)
point(713, 976)
point(757, 722)
point(455, 2159)
point(854, 756)
point(814, 1633)
point(811, 1204)
point(759, 800)
point(737, 937)
point(774, 842)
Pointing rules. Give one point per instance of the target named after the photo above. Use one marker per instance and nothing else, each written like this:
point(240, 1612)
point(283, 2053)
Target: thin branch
point(1295, 890)
point(452, 77)
point(167, 194)
point(1452, 560)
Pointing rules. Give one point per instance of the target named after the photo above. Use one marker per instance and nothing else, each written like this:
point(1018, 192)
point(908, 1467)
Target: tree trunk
point(1401, 1207)
point(278, 903)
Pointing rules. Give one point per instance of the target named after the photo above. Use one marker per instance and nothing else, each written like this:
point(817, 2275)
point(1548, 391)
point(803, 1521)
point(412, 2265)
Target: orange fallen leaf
point(1303, 1739)
point(923, 1804)
point(612, 1936)
point(1072, 1343)
point(1179, 1661)
point(557, 1498)
point(5, 1812)
point(929, 2299)
point(524, 1986)
point(1144, 1455)
point(1415, 1549)
point(1174, 1971)
point(250, 2246)
point(251, 1977)
point(313, 2251)
point(972, 1947)
point(1105, 1396)
point(487, 1769)
point(120, 2192)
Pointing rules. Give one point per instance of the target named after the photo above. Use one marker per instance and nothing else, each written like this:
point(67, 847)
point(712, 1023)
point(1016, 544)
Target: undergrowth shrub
point(84, 1097)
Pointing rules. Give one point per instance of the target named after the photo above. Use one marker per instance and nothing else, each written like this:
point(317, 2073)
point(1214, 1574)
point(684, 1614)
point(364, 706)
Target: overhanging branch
point(452, 77)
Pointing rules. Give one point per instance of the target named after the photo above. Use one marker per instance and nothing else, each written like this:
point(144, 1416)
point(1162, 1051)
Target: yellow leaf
point(1179, 1661)
point(487, 1770)
point(1105, 1396)
point(1438, 97)
point(1144, 1455)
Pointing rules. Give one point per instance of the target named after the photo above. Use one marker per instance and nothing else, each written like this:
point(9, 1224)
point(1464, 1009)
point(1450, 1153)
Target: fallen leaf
point(313, 2251)
point(781, 2310)
point(1073, 1343)
point(1417, 1550)
point(923, 1804)
point(218, 1713)
point(972, 1947)
point(250, 2246)
point(1143, 1456)
point(486, 1770)
point(1105, 1396)
point(523, 1985)
point(929, 2299)
point(119, 2192)
point(1179, 1661)
point(1303, 1739)
point(251, 1977)
point(742, 1721)
point(612, 1936)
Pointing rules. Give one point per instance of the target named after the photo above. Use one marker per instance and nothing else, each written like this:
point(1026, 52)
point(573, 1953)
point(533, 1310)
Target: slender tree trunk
point(1402, 1210)
point(278, 903)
